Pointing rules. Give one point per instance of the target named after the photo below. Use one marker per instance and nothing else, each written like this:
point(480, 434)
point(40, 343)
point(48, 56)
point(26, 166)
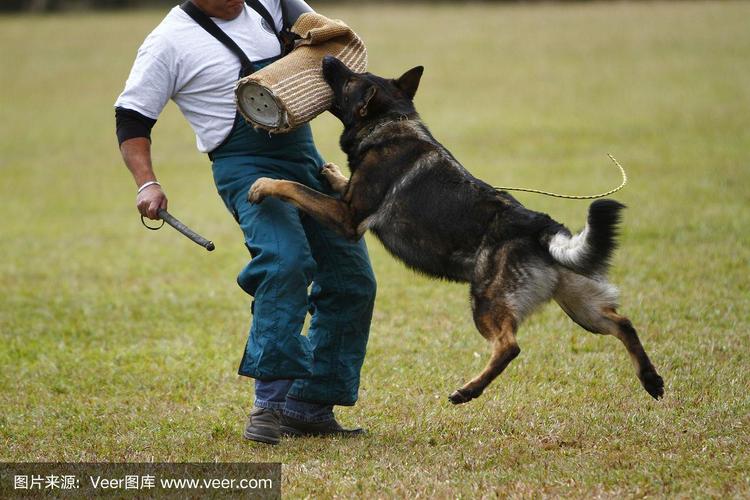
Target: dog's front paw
point(331, 170)
point(334, 176)
point(260, 189)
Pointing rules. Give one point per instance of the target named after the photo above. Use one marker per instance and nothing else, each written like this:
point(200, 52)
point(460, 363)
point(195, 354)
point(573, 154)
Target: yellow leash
point(575, 197)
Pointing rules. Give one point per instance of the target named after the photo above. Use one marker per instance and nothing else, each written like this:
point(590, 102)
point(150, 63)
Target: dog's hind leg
point(645, 370)
point(591, 303)
point(507, 285)
point(501, 335)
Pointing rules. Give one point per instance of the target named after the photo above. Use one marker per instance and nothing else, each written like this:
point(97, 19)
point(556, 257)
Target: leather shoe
point(263, 425)
point(291, 426)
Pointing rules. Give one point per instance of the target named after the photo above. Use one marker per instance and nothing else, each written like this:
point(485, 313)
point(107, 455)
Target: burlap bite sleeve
point(291, 91)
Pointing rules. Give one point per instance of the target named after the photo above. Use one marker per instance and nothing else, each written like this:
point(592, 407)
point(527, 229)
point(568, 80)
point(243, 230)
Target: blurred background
point(122, 344)
point(57, 5)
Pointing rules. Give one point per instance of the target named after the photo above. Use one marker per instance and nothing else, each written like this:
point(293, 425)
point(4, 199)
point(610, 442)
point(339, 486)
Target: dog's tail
point(589, 251)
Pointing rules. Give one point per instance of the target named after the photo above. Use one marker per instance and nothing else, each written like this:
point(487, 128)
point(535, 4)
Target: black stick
point(197, 238)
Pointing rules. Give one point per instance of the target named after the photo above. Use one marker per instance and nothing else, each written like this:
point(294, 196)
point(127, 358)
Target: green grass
point(120, 344)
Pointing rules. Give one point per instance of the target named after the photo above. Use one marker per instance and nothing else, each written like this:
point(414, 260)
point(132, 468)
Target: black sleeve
point(292, 9)
point(131, 124)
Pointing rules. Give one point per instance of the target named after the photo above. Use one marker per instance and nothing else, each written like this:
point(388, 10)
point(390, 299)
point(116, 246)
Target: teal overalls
point(291, 251)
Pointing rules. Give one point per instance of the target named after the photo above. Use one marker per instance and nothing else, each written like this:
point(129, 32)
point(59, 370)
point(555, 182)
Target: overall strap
point(285, 36)
point(207, 24)
point(261, 9)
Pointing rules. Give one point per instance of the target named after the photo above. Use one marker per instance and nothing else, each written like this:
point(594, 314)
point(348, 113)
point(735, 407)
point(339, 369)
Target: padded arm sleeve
point(131, 124)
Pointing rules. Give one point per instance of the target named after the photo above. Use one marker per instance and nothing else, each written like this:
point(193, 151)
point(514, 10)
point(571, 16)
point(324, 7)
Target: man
point(298, 379)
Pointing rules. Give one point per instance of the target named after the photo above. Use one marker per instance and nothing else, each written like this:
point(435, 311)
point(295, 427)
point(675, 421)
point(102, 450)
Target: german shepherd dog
point(436, 217)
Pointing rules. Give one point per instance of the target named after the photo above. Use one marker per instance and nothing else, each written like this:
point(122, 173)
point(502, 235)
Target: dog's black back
point(425, 207)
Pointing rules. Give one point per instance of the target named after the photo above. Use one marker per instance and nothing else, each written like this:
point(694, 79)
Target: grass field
point(120, 344)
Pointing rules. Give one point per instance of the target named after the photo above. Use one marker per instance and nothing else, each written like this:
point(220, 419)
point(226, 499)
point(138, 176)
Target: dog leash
point(572, 196)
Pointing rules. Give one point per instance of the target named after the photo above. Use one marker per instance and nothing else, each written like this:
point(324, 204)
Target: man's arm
point(150, 85)
point(134, 136)
point(137, 155)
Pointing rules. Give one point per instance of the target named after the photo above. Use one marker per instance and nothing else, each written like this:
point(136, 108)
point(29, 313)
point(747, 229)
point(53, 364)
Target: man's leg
point(264, 422)
point(277, 277)
point(272, 393)
point(341, 303)
point(341, 300)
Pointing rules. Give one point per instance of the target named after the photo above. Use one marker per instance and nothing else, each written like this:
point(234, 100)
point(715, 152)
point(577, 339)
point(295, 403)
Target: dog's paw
point(653, 384)
point(460, 396)
point(334, 176)
point(260, 189)
point(331, 170)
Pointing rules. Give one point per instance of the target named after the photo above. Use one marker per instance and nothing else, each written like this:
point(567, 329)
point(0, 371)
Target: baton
point(172, 221)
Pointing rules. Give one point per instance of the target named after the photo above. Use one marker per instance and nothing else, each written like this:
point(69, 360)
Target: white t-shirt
point(181, 61)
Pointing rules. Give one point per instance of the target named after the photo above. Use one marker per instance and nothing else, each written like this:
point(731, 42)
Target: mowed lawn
point(121, 344)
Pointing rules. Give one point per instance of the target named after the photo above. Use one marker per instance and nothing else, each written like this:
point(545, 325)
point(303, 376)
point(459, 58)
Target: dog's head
point(364, 97)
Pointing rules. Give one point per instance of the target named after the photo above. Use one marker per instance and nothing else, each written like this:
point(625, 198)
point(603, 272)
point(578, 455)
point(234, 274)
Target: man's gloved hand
point(150, 200)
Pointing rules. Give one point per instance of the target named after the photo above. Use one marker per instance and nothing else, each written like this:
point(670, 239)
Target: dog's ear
point(365, 101)
point(409, 81)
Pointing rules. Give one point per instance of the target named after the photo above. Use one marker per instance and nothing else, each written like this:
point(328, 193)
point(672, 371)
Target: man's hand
point(150, 200)
point(137, 155)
